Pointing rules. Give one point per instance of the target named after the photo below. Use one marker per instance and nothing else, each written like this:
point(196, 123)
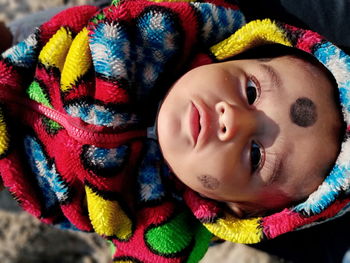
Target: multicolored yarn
point(75, 97)
point(76, 100)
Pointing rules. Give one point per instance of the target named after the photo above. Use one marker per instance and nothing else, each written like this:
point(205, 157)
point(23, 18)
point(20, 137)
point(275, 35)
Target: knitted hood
point(77, 97)
point(331, 199)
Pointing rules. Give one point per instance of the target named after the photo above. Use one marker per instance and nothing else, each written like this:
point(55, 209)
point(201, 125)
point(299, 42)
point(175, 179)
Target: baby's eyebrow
point(279, 166)
point(272, 75)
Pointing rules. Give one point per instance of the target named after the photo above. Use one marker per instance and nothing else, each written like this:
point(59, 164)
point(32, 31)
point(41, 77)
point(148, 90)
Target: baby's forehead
point(318, 83)
point(309, 64)
point(303, 112)
point(313, 112)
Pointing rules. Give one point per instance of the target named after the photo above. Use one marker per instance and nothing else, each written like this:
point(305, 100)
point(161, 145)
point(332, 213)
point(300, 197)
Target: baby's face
point(250, 133)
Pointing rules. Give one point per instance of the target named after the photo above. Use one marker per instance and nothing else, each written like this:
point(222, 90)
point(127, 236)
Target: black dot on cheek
point(303, 112)
point(208, 182)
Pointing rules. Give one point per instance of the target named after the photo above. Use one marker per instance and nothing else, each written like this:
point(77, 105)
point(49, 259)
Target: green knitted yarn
point(172, 237)
point(112, 247)
point(115, 2)
point(202, 240)
point(178, 234)
point(36, 93)
point(98, 18)
point(51, 126)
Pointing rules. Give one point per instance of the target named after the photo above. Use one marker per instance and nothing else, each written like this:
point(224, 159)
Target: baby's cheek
point(208, 182)
point(273, 198)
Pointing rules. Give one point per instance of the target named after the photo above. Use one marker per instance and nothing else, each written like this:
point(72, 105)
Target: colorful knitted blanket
point(78, 96)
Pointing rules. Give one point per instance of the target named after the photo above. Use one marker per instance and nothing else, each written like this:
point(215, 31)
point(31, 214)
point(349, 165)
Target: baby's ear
point(237, 209)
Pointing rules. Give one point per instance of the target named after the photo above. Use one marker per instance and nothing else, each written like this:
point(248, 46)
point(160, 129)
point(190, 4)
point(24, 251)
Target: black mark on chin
point(303, 112)
point(208, 182)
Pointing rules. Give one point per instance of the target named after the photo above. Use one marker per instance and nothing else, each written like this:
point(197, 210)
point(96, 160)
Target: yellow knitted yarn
point(4, 138)
point(107, 217)
point(78, 60)
point(255, 33)
point(54, 52)
point(247, 231)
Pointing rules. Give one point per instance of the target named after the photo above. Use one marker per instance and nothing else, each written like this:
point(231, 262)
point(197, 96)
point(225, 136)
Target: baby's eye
point(251, 91)
point(255, 156)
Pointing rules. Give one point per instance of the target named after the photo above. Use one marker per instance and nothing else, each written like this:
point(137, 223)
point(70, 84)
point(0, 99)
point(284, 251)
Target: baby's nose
point(232, 120)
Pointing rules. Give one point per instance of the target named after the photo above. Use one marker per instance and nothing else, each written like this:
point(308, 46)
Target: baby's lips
point(194, 123)
point(204, 123)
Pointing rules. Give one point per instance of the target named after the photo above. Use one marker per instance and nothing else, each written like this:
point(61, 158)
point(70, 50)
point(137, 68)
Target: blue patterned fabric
point(49, 181)
point(110, 50)
point(100, 115)
point(151, 171)
point(103, 158)
point(24, 53)
point(156, 42)
point(331, 188)
point(338, 62)
point(218, 22)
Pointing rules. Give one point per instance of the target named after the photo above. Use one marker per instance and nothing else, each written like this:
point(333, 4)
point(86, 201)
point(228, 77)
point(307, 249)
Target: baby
point(246, 135)
point(256, 134)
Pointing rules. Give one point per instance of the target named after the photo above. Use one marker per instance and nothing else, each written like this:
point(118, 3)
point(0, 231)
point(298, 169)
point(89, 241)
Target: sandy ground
point(24, 239)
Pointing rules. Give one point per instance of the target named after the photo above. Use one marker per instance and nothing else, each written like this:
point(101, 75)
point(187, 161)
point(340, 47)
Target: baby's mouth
point(195, 125)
